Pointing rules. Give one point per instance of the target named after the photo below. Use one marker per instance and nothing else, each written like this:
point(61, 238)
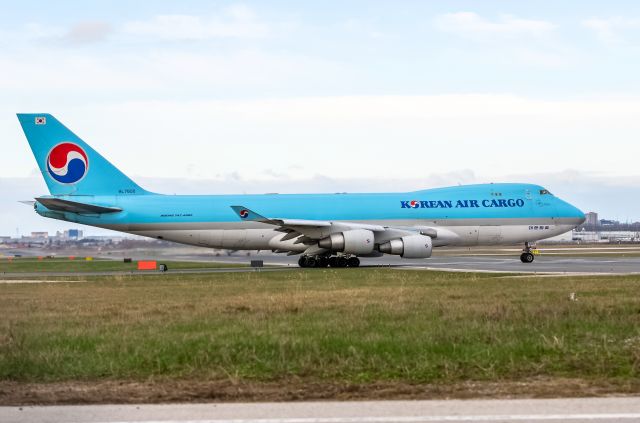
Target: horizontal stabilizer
point(59, 204)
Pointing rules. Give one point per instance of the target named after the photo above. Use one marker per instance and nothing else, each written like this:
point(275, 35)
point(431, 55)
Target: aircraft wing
point(247, 214)
point(311, 229)
point(309, 232)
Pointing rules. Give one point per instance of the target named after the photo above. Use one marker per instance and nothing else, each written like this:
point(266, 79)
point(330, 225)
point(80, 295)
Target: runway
point(551, 264)
point(542, 265)
point(482, 263)
point(626, 409)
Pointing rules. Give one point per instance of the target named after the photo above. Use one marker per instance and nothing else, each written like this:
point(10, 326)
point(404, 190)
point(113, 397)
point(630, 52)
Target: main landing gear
point(527, 256)
point(333, 261)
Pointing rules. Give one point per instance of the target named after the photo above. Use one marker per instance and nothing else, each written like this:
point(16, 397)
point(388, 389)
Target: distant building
point(70, 234)
point(40, 235)
point(606, 222)
point(105, 239)
point(591, 219)
point(73, 234)
point(606, 236)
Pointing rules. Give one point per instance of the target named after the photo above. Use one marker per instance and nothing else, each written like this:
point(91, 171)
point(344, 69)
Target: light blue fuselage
point(524, 212)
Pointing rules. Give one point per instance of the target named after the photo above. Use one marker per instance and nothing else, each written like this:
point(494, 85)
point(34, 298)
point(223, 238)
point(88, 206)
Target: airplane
point(324, 229)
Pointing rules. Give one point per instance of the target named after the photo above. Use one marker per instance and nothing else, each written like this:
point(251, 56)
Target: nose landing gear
point(527, 256)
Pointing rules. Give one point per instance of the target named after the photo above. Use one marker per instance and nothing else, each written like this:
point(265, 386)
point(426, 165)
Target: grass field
point(350, 327)
point(79, 264)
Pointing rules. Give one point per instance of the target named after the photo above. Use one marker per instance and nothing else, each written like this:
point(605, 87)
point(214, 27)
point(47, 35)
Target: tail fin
point(69, 166)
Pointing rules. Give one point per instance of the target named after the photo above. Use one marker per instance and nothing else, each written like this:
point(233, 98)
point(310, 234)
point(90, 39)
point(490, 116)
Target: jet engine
point(410, 246)
point(356, 241)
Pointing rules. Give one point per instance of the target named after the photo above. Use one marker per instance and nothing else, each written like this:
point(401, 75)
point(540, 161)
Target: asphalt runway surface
point(625, 409)
point(540, 265)
point(507, 264)
point(482, 263)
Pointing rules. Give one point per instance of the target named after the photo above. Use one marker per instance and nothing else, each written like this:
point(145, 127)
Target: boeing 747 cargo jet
point(325, 229)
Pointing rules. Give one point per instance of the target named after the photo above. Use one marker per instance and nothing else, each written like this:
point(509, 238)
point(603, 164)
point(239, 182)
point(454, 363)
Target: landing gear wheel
point(338, 261)
point(526, 257)
point(311, 262)
point(322, 261)
point(302, 261)
point(353, 262)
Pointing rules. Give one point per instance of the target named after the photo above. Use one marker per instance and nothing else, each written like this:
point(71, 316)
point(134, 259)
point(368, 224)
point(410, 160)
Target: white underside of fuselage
point(258, 236)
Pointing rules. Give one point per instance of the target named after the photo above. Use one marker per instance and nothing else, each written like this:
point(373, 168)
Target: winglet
point(246, 214)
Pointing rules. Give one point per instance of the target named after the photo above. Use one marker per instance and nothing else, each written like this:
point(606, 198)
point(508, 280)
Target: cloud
point(36, 35)
point(502, 40)
point(172, 73)
point(234, 22)
point(364, 28)
point(472, 24)
point(413, 135)
point(347, 136)
point(552, 58)
point(88, 32)
point(610, 30)
point(493, 134)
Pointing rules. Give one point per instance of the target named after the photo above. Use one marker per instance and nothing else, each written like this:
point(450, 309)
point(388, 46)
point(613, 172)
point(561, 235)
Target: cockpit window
point(545, 192)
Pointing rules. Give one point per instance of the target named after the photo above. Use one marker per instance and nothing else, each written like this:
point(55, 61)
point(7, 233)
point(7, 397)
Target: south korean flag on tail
point(41, 120)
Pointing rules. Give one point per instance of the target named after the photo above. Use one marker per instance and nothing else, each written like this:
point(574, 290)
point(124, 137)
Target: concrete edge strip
point(415, 419)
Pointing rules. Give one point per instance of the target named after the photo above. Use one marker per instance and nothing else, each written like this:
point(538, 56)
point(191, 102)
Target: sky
point(285, 96)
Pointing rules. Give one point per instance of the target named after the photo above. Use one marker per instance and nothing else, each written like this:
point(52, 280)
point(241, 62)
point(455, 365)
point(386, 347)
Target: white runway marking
point(10, 281)
point(574, 410)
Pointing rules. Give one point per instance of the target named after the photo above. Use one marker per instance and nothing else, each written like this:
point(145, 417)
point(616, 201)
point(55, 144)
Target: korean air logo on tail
point(67, 163)
point(244, 213)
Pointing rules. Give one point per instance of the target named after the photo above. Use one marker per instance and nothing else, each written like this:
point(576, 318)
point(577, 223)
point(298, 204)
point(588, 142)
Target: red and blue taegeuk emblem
point(67, 163)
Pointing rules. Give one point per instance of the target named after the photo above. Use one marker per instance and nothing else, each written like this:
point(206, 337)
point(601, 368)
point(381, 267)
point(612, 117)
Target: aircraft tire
point(353, 262)
point(527, 257)
point(302, 261)
point(311, 262)
point(341, 262)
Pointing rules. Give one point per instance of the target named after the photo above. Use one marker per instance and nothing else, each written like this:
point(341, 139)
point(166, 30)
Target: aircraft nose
point(580, 215)
point(576, 213)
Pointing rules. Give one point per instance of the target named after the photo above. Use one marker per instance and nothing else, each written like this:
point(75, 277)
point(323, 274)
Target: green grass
point(79, 264)
point(353, 325)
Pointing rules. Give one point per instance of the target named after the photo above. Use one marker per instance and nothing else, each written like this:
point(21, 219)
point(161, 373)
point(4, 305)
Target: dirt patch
point(123, 392)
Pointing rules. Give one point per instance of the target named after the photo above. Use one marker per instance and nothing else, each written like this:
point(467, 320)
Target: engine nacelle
point(410, 246)
point(356, 241)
